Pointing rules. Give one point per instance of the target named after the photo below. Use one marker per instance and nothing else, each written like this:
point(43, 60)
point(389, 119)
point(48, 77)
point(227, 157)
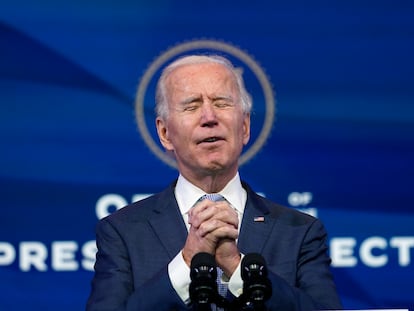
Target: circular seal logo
point(207, 45)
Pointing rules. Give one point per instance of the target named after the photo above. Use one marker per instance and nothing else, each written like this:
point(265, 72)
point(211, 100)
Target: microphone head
point(253, 265)
point(203, 274)
point(256, 285)
point(203, 264)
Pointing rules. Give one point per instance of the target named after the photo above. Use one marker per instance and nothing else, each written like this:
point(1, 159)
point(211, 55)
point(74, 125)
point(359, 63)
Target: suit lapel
point(168, 223)
point(257, 224)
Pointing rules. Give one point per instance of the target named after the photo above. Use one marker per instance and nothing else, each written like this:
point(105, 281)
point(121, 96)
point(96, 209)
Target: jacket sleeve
point(313, 287)
point(113, 286)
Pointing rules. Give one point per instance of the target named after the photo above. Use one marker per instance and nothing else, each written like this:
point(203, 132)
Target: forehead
point(204, 73)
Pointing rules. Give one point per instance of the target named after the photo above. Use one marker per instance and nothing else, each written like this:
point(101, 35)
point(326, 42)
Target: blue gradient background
point(343, 75)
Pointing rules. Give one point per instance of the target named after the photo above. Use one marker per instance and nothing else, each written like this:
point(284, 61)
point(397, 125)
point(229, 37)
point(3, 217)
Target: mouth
point(212, 139)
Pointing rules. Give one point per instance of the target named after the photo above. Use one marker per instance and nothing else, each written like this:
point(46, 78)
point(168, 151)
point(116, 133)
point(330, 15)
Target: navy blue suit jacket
point(136, 243)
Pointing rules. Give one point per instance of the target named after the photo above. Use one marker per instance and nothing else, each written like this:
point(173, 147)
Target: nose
point(208, 114)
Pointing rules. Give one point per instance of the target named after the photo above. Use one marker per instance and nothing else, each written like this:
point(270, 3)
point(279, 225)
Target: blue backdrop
point(341, 146)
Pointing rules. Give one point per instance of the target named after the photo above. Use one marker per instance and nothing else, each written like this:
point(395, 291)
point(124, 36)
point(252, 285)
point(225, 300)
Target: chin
point(218, 166)
point(213, 166)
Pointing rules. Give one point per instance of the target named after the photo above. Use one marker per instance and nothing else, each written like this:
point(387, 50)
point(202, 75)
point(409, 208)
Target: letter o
point(106, 201)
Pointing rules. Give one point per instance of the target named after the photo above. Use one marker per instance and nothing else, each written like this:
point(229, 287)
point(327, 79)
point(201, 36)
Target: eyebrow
point(225, 97)
point(191, 99)
point(196, 98)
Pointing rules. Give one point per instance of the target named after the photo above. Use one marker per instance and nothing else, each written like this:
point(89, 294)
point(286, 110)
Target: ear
point(246, 128)
point(162, 131)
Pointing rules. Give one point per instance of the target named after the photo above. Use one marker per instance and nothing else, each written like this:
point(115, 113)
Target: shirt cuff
point(179, 274)
point(236, 283)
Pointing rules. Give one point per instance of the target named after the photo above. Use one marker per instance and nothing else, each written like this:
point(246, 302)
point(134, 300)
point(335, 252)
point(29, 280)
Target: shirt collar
point(187, 194)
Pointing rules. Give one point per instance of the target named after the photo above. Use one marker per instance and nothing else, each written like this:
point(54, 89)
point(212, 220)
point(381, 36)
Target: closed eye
point(191, 104)
point(191, 107)
point(223, 102)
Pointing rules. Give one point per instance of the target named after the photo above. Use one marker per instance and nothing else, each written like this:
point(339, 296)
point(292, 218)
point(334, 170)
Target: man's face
point(206, 128)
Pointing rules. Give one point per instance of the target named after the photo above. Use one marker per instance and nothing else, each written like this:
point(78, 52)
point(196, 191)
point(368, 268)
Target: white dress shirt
point(187, 195)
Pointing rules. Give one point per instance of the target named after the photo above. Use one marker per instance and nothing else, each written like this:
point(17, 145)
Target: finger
point(202, 205)
point(217, 229)
point(198, 208)
point(225, 216)
point(213, 210)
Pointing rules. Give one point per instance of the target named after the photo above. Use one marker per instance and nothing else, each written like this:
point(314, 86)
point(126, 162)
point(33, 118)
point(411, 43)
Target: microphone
point(203, 286)
point(256, 285)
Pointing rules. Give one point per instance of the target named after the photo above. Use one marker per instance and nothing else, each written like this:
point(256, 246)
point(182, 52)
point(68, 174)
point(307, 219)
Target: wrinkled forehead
point(188, 73)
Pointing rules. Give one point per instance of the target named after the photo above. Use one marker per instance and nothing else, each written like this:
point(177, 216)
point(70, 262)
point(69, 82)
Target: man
point(145, 249)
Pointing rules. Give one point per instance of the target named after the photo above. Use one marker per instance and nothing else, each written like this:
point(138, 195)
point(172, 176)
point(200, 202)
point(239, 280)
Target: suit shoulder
point(142, 209)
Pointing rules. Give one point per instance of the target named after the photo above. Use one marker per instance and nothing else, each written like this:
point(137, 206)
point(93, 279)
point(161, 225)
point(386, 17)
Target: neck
point(212, 182)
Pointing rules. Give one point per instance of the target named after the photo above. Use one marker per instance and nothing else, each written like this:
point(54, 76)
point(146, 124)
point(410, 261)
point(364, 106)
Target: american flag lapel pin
point(259, 219)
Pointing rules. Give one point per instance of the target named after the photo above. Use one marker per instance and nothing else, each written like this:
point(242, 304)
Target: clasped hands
point(214, 230)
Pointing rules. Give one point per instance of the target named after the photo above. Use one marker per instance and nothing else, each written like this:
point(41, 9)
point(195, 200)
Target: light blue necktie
point(215, 197)
point(221, 287)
